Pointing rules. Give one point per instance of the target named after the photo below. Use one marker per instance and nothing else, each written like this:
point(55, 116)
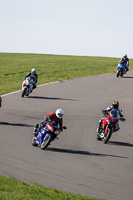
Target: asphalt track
point(77, 162)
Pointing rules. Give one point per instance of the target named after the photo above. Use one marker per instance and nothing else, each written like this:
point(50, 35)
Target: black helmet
point(115, 104)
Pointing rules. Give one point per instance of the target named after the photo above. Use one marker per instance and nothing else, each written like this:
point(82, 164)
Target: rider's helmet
point(33, 71)
point(115, 104)
point(125, 56)
point(59, 113)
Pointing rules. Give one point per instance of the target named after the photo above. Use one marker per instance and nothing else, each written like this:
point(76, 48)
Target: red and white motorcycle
point(27, 86)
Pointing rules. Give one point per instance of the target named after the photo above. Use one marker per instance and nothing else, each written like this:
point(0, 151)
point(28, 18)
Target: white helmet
point(59, 113)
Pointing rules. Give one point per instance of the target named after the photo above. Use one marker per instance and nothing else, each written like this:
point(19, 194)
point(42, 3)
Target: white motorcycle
point(27, 86)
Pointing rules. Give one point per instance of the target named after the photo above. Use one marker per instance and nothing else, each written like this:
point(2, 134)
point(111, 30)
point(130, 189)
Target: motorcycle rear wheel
point(107, 136)
point(46, 142)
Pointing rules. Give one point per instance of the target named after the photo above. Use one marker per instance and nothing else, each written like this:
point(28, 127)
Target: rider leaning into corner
point(34, 76)
point(125, 60)
point(114, 111)
point(56, 117)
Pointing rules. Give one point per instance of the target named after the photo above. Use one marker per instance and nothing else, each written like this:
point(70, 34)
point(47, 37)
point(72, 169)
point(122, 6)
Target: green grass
point(14, 67)
point(11, 189)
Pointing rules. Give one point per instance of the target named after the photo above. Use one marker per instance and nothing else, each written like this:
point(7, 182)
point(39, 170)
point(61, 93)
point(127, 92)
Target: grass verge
point(11, 189)
point(15, 66)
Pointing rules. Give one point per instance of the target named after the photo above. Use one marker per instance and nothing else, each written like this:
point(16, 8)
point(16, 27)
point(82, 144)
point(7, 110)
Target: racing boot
point(35, 131)
point(117, 128)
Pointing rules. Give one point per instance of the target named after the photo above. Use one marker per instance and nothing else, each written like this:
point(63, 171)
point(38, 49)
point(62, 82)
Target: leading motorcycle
point(120, 70)
point(46, 135)
point(27, 86)
point(108, 125)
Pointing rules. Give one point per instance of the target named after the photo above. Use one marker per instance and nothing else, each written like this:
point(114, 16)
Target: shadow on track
point(15, 124)
point(121, 144)
point(70, 151)
point(50, 98)
point(127, 77)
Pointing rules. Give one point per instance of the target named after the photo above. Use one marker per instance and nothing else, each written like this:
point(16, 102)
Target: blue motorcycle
point(120, 70)
point(46, 135)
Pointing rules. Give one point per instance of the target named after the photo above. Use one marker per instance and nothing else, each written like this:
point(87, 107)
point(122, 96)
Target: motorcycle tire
point(107, 136)
point(121, 74)
point(118, 73)
point(98, 137)
point(34, 142)
point(46, 142)
point(23, 93)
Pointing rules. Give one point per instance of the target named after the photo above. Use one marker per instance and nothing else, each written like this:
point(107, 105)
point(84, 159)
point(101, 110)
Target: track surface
point(77, 162)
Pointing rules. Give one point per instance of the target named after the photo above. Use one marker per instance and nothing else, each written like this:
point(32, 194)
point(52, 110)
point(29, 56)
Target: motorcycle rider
point(113, 111)
point(34, 76)
point(56, 118)
point(125, 60)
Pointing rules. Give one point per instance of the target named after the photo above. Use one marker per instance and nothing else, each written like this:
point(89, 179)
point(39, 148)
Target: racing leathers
point(34, 77)
point(126, 62)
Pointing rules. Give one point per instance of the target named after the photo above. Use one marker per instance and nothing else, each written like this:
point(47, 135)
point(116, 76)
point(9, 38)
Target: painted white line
point(21, 90)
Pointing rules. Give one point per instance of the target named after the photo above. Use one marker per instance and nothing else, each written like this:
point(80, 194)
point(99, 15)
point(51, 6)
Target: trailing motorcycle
point(46, 135)
point(120, 70)
point(27, 86)
point(108, 125)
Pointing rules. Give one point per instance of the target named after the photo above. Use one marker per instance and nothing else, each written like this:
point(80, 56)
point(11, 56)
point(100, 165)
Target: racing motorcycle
point(120, 70)
point(27, 86)
point(46, 135)
point(109, 124)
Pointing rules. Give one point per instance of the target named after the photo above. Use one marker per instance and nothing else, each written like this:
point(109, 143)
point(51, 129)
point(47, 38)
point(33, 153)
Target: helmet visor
point(115, 106)
point(60, 115)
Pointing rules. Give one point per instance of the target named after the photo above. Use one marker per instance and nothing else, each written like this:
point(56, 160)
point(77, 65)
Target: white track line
point(21, 90)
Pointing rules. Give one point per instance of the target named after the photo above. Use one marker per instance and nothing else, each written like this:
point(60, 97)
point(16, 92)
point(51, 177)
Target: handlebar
point(122, 119)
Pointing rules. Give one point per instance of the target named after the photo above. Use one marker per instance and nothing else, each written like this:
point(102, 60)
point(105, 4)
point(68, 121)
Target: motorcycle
point(109, 124)
point(27, 86)
point(46, 135)
point(120, 70)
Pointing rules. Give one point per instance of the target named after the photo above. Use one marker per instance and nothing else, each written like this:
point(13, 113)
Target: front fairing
point(109, 121)
point(40, 135)
point(121, 67)
point(44, 132)
point(28, 82)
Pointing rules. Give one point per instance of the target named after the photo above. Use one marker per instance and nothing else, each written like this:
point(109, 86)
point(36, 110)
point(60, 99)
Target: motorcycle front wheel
point(118, 73)
point(107, 136)
point(121, 74)
point(34, 142)
point(46, 142)
point(23, 93)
